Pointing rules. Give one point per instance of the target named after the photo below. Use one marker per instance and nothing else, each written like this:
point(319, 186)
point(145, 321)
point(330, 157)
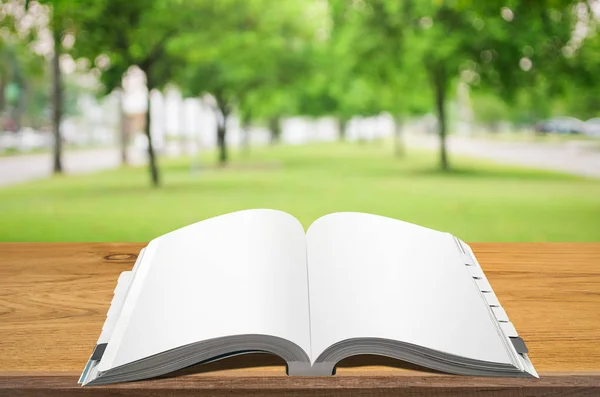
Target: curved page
point(372, 276)
point(241, 273)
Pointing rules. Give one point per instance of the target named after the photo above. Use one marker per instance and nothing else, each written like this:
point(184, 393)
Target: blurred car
point(592, 127)
point(561, 125)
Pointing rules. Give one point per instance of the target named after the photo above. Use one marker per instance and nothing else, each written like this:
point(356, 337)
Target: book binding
point(120, 293)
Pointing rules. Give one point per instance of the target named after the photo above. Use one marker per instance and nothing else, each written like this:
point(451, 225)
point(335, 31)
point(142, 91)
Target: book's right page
point(377, 277)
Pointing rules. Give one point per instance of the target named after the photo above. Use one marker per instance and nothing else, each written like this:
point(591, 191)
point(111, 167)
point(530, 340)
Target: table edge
point(55, 381)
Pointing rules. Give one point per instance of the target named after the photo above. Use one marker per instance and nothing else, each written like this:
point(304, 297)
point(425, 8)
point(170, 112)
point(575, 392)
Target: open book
point(253, 281)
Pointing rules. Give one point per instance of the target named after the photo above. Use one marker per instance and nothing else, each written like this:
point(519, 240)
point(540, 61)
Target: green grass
point(478, 201)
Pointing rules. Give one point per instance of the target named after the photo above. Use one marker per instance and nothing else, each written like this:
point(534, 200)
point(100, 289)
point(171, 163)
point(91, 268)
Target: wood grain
point(54, 298)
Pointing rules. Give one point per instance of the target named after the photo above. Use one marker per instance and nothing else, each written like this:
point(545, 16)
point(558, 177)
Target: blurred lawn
point(478, 201)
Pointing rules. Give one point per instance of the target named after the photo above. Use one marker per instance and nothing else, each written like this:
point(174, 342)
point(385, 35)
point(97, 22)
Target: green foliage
point(25, 71)
point(20, 67)
point(137, 33)
point(360, 69)
point(267, 59)
point(581, 88)
point(489, 109)
point(243, 48)
point(383, 58)
point(251, 56)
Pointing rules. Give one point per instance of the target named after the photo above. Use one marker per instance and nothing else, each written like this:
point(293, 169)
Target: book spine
point(119, 295)
point(111, 318)
point(489, 296)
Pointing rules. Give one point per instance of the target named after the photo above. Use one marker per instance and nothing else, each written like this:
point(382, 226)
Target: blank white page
point(371, 276)
point(241, 273)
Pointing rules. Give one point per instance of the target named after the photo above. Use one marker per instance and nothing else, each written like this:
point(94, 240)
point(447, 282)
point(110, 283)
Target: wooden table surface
point(54, 298)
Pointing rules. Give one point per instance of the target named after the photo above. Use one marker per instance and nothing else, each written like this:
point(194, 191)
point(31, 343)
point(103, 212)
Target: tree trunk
point(440, 105)
point(275, 129)
point(18, 114)
point(399, 149)
point(246, 138)
point(183, 141)
point(57, 99)
point(223, 108)
point(3, 82)
point(342, 129)
point(151, 155)
point(195, 146)
point(221, 135)
point(21, 106)
point(123, 133)
point(246, 123)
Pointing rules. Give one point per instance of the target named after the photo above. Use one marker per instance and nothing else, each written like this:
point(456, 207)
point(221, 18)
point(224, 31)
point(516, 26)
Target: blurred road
point(22, 168)
point(574, 157)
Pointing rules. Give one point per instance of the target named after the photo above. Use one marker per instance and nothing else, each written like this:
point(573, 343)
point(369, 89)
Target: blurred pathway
point(574, 157)
point(22, 168)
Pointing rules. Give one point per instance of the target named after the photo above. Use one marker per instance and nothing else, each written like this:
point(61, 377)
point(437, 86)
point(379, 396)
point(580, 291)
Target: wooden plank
point(54, 298)
point(547, 386)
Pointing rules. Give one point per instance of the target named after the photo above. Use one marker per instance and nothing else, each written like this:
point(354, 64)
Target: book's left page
point(236, 274)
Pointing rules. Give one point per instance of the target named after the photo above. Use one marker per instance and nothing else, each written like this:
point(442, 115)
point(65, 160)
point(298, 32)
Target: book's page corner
point(322, 218)
point(295, 219)
point(124, 277)
point(155, 241)
point(267, 213)
point(462, 246)
point(277, 215)
point(528, 365)
point(84, 373)
point(315, 223)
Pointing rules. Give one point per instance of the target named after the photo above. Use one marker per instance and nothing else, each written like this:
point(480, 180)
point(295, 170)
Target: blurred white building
point(190, 124)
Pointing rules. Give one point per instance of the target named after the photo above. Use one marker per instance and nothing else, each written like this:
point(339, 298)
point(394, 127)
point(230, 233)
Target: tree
point(581, 97)
point(213, 63)
point(22, 77)
point(379, 30)
point(94, 47)
point(220, 62)
point(269, 103)
point(208, 79)
point(360, 70)
point(501, 47)
point(137, 33)
point(57, 28)
point(337, 84)
point(21, 36)
point(62, 13)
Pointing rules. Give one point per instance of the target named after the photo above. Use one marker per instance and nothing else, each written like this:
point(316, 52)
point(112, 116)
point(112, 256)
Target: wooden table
point(54, 298)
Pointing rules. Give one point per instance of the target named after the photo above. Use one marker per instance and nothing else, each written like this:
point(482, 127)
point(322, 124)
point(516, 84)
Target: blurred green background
point(124, 120)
